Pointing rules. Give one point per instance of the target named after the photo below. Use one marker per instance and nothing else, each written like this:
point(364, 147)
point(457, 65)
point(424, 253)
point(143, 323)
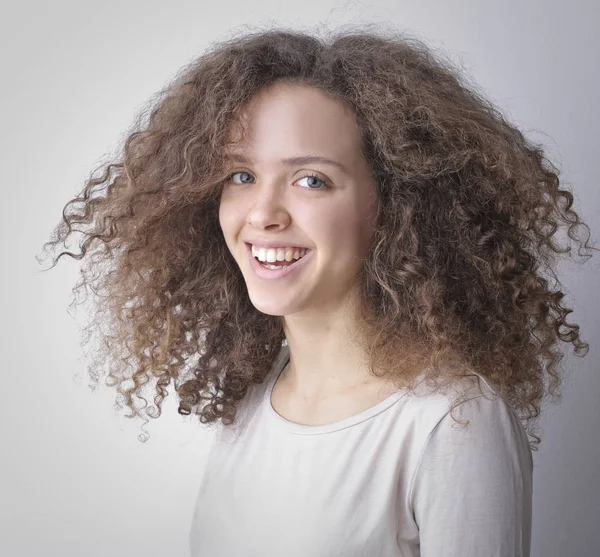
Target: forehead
point(288, 120)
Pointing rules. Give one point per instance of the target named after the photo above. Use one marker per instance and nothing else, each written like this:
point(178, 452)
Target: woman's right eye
point(230, 179)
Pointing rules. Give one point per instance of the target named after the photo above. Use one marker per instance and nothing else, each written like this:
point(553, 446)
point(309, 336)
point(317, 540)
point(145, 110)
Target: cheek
point(227, 217)
point(338, 233)
point(227, 226)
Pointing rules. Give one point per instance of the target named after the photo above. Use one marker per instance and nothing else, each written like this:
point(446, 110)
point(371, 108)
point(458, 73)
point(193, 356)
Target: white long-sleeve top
point(400, 479)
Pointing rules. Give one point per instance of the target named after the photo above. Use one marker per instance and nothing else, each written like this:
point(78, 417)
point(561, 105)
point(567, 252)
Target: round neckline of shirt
point(303, 429)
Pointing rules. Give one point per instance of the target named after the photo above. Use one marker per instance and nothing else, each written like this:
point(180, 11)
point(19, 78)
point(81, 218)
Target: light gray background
point(74, 478)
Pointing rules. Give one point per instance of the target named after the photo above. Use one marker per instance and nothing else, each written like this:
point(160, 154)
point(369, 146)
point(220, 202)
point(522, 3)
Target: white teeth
point(279, 254)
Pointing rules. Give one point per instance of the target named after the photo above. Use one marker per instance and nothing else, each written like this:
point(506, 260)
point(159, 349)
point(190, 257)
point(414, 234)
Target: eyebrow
point(295, 161)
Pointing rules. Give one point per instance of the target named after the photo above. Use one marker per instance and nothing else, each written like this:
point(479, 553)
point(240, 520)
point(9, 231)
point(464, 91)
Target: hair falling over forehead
point(456, 277)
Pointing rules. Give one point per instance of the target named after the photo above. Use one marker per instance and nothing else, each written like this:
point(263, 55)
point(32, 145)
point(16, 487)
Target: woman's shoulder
point(450, 403)
point(431, 391)
point(475, 429)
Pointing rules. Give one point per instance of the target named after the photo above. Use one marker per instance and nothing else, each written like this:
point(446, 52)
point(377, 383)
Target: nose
point(268, 206)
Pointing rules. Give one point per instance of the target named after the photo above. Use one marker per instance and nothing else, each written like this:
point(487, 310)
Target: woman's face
point(268, 200)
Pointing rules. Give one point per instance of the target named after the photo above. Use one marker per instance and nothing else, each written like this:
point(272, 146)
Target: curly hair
point(466, 229)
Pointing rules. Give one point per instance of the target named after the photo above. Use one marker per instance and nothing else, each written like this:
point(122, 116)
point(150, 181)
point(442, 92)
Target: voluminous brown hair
point(466, 229)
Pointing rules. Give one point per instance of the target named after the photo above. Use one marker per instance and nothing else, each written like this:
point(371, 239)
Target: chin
point(272, 306)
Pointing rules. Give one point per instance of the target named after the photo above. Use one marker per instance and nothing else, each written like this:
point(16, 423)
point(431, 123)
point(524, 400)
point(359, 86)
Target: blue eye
point(232, 175)
point(313, 177)
point(326, 185)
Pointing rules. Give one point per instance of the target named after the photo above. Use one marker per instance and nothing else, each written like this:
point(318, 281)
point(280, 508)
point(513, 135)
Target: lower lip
point(262, 272)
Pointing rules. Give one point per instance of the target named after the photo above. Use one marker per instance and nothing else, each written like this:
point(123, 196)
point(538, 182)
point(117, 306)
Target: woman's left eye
point(312, 178)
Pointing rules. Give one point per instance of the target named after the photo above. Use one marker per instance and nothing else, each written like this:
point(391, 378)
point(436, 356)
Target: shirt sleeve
point(472, 491)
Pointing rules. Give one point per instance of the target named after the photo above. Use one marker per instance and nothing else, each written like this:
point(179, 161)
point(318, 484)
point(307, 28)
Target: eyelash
point(325, 182)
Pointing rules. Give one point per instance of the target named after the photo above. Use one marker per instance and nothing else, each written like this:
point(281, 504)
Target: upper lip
point(272, 244)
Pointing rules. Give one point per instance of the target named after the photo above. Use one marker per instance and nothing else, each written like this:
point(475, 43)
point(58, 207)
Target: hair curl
point(469, 210)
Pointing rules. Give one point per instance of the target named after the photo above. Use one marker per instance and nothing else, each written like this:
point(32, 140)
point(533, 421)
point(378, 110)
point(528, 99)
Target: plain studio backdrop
point(75, 480)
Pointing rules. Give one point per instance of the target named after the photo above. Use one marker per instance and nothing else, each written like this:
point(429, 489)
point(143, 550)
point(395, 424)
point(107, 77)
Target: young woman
point(335, 250)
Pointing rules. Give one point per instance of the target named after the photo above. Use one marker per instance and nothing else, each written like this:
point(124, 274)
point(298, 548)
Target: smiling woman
point(336, 250)
point(278, 204)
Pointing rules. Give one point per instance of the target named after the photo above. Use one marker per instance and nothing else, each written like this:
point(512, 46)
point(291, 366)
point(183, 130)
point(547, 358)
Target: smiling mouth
point(278, 269)
point(277, 263)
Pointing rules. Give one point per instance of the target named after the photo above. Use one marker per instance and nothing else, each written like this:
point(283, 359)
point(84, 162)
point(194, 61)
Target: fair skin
point(266, 199)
